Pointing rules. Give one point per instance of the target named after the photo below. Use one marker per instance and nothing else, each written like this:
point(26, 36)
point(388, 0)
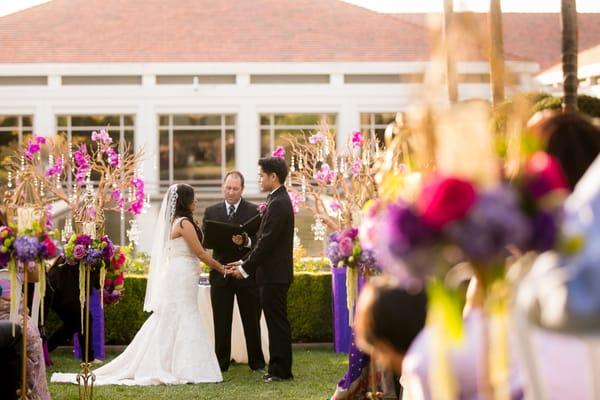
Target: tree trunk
point(450, 40)
point(568, 14)
point(496, 52)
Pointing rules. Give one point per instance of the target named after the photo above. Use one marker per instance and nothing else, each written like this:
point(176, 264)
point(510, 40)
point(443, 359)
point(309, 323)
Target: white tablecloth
point(238, 341)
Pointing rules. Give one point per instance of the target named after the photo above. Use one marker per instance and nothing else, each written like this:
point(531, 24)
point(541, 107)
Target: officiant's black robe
point(223, 289)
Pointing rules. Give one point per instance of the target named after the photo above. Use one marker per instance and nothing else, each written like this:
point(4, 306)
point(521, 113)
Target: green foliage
point(137, 263)
point(124, 319)
point(310, 308)
point(312, 264)
point(587, 104)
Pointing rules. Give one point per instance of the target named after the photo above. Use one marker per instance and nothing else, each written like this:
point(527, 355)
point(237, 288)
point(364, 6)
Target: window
point(14, 129)
point(375, 123)
point(276, 128)
point(196, 148)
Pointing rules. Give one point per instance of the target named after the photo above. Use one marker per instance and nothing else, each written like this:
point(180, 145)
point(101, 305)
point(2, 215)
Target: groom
point(271, 262)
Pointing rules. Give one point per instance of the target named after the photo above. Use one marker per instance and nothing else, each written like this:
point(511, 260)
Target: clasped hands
point(232, 269)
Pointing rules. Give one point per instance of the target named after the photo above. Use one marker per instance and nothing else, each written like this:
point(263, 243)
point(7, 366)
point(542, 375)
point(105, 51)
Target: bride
point(172, 347)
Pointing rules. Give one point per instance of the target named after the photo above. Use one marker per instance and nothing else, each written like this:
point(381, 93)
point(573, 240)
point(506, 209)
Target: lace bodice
point(178, 247)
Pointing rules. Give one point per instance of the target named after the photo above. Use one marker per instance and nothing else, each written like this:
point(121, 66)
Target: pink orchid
point(137, 206)
point(316, 138)
point(82, 164)
point(34, 146)
point(113, 158)
point(56, 169)
point(297, 199)
point(357, 139)
point(279, 152)
point(325, 174)
point(101, 136)
point(335, 206)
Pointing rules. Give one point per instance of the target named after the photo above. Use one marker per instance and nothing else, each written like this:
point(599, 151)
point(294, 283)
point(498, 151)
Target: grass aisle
point(316, 374)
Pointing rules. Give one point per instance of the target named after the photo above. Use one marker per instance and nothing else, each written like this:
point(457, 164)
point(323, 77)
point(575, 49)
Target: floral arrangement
point(120, 186)
point(452, 221)
point(114, 281)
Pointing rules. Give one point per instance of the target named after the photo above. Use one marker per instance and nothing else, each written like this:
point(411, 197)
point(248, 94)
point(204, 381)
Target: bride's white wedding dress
point(173, 345)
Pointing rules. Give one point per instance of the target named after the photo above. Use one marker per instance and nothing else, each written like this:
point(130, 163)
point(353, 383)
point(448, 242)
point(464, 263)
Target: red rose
point(119, 280)
point(444, 200)
point(543, 175)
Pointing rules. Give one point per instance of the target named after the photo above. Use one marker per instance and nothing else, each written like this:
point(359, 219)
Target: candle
point(25, 218)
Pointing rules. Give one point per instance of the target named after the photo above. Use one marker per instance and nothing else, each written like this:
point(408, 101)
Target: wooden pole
point(449, 39)
point(496, 52)
point(568, 14)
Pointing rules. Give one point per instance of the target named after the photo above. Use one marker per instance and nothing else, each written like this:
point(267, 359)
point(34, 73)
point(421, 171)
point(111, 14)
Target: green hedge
point(309, 307)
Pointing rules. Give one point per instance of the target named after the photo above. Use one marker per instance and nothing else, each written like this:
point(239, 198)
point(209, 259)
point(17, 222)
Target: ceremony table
point(238, 341)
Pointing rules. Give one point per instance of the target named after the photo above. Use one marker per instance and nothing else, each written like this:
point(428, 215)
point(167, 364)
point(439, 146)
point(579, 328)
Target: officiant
point(223, 289)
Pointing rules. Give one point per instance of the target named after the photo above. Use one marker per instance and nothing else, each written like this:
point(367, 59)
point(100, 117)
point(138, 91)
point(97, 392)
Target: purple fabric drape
point(341, 329)
point(97, 326)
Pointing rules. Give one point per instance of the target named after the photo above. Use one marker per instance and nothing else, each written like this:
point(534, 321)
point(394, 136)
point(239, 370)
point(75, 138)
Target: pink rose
point(79, 251)
point(444, 200)
point(345, 246)
point(262, 207)
point(543, 175)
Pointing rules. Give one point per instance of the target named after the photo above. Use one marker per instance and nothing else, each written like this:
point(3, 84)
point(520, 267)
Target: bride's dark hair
point(185, 198)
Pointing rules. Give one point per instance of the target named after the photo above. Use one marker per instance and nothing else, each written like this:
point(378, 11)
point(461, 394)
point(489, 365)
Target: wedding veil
point(159, 256)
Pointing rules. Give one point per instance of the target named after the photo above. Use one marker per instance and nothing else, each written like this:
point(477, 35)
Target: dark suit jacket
point(230, 252)
point(272, 257)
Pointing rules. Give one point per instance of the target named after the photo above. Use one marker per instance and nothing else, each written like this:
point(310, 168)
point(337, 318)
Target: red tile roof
point(533, 36)
point(75, 31)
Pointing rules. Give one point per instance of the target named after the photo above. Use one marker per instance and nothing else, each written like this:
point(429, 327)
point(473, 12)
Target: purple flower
point(85, 240)
point(405, 229)
point(493, 224)
point(351, 233)
point(334, 237)
point(34, 146)
point(93, 257)
point(82, 163)
point(26, 248)
point(345, 245)
point(113, 157)
point(297, 200)
point(109, 248)
point(79, 251)
point(316, 138)
point(102, 136)
point(545, 232)
point(49, 222)
point(333, 253)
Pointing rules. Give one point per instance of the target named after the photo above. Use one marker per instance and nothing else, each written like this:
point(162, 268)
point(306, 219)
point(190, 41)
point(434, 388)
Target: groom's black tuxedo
point(223, 289)
point(271, 260)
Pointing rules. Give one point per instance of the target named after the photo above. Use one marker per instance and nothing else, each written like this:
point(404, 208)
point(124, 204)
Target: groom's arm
point(271, 233)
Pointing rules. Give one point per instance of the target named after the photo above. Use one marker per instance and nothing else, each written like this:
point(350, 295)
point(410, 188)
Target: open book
point(218, 234)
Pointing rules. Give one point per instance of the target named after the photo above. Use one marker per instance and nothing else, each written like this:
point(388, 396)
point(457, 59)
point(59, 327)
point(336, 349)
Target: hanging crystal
point(303, 186)
point(297, 242)
point(67, 230)
point(133, 233)
point(147, 204)
point(22, 163)
point(319, 229)
point(293, 164)
point(300, 165)
point(10, 184)
point(326, 146)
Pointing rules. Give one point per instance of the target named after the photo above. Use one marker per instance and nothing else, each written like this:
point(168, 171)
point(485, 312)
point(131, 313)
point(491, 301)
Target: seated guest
point(36, 367)
point(10, 354)
point(388, 319)
point(62, 296)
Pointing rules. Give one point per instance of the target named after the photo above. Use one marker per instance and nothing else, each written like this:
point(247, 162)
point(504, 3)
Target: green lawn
point(316, 374)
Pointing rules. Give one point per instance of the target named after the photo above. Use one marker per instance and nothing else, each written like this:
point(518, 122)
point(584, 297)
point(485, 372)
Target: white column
point(146, 138)
point(348, 122)
point(43, 120)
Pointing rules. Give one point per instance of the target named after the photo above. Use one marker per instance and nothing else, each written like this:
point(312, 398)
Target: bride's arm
point(189, 235)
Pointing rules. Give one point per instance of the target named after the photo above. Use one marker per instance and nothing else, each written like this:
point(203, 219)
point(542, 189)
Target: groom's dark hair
point(274, 165)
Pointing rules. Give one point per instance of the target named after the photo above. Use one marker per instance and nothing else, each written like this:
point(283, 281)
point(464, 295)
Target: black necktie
point(231, 212)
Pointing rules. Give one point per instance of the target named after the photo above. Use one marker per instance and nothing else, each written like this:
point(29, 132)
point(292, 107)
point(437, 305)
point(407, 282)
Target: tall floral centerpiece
point(90, 179)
